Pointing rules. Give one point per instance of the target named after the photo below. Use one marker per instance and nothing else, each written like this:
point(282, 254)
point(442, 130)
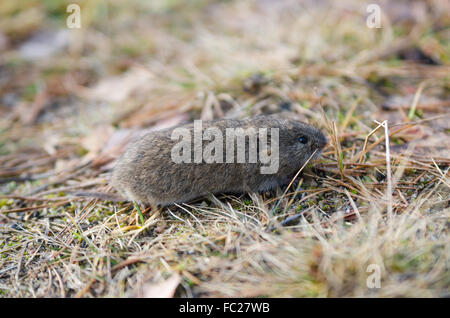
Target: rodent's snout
point(321, 141)
point(324, 141)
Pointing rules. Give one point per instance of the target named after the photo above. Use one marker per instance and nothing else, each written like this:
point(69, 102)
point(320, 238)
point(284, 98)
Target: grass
point(136, 65)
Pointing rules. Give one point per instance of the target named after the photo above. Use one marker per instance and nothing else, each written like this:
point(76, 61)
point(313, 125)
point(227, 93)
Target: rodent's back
point(147, 173)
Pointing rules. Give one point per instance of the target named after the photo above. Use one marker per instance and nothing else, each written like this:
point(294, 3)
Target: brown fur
point(146, 173)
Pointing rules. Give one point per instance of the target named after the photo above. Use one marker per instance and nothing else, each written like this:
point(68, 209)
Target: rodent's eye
point(303, 139)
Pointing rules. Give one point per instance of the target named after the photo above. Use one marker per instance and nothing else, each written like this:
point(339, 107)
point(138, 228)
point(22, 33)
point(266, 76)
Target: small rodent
point(148, 174)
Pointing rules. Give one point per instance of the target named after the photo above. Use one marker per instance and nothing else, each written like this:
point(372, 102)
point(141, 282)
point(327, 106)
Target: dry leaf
point(118, 88)
point(165, 289)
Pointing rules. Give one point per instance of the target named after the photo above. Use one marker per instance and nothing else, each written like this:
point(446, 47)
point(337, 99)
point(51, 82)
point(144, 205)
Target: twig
point(35, 207)
point(292, 181)
point(412, 111)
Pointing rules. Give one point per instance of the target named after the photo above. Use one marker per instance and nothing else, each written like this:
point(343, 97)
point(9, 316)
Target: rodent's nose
point(321, 142)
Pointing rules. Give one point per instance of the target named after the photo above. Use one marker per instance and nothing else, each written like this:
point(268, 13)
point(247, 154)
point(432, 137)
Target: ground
point(369, 218)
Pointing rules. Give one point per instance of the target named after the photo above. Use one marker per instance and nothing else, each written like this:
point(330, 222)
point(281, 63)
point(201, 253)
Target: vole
point(221, 156)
